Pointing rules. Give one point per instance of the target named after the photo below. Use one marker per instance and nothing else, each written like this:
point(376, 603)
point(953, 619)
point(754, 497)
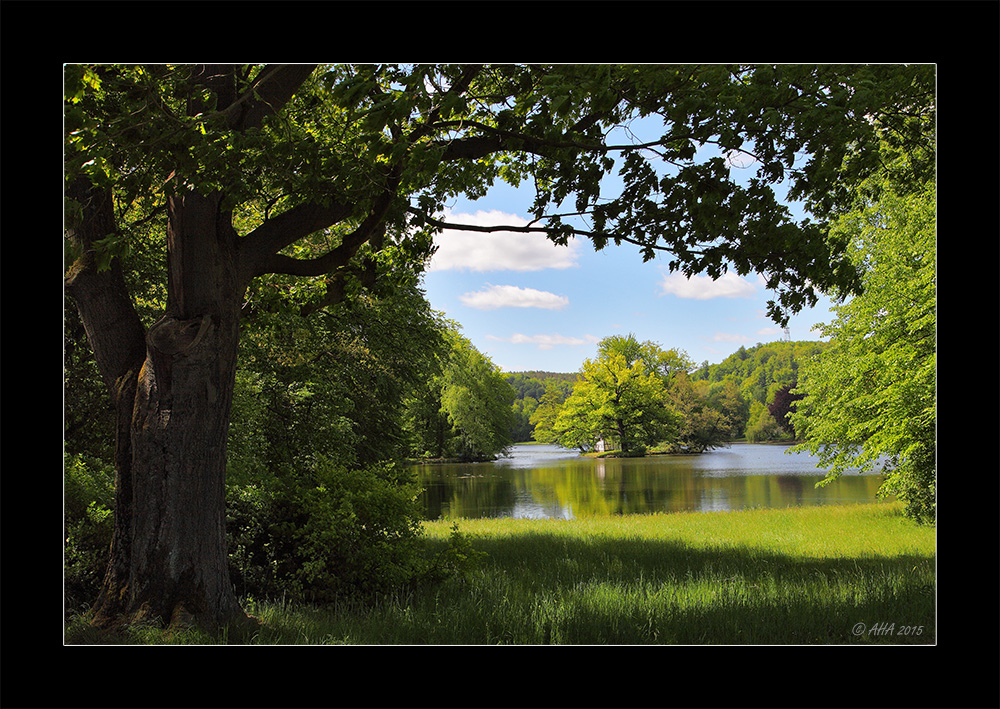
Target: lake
point(544, 481)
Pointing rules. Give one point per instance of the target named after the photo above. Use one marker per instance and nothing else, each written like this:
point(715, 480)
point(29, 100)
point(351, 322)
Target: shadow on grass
point(641, 591)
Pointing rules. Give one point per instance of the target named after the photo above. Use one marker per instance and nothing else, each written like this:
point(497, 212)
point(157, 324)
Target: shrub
point(88, 501)
point(326, 534)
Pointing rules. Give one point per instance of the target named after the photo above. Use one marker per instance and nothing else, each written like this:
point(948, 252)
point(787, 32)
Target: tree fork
point(179, 571)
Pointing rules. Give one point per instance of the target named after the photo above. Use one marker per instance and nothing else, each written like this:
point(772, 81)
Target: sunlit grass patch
point(799, 575)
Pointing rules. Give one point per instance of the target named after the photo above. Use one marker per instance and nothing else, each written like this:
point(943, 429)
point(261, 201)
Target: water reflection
point(552, 482)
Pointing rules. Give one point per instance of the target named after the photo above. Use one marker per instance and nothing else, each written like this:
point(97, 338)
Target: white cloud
point(546, 342)
point(729, 285)
point(495, 297)
point(729, 337)
point(739, 159)
point(769, 331)
point(497, 251)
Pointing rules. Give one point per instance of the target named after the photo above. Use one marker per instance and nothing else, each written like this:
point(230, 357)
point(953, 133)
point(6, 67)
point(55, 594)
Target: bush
point(89, 524)
point(326, 534)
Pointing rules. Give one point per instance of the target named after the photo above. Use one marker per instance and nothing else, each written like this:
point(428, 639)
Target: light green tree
point(544, 416)
point(623, 396)
point(762, 426)
point(478, 401)
point(577, 423)
point(466, 411)
point(872, 393)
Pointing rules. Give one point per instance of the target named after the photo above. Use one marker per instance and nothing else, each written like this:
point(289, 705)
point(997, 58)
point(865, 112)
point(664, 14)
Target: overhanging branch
point(261, 246)
point(572, 231)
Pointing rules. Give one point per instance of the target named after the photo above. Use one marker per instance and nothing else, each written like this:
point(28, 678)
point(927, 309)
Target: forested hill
point(533, 383)
point(762, 369)
point(742, 386)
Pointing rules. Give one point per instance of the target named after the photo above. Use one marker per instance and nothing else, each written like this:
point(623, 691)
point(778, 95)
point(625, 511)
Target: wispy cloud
point(498, 251)
point(494, 297)
point(546, 342)
point(729, 285)
point(729, 337)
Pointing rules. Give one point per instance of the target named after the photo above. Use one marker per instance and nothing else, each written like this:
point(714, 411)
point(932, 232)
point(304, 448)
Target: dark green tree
point(702, 427)
point(781, 407)
point(312, 172)
point(726, 398)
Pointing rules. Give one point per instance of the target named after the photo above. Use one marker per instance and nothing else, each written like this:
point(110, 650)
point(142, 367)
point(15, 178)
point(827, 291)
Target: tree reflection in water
point(544, 481)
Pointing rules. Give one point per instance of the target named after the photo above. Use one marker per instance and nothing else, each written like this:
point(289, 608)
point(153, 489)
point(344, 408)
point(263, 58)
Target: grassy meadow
point(809, 575)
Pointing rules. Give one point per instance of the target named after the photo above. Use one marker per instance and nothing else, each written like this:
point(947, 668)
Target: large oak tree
point(315, 171)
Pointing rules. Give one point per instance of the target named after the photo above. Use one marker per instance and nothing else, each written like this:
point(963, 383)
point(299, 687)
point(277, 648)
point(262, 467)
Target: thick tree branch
point(335, 258)
point(271, 90)
point(264, 243)
point(113, 327)
point(259, 248)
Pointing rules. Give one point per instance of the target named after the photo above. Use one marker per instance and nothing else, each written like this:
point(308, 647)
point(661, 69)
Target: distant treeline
point(745, 386)
point(530, 388)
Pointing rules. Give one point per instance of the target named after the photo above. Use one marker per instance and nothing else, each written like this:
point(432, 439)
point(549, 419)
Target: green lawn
point(836, 575)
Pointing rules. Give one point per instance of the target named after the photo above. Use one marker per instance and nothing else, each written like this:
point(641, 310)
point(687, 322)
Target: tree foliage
point(279, 189)
point(344, 134)
point(535, 390)
point(622, 395)
point(333, 384)
point(466, 411)
point(544, 417)
point(872, 393)
point(762, 426)
point(781, 406)
point(703, 426)
point(326, 533)
point(746, 384)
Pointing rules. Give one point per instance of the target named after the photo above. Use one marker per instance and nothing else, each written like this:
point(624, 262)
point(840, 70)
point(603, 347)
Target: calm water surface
point(548, 481)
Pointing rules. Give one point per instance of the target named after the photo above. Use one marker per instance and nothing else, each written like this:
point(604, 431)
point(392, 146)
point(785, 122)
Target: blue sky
point(529, 304)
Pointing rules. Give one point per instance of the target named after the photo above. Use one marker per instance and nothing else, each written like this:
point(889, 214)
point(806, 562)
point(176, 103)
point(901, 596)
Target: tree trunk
point(173, 396)
point(179, 566)
point(118, 341)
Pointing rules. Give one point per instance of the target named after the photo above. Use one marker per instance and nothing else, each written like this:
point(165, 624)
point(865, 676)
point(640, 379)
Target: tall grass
point(836, 575)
